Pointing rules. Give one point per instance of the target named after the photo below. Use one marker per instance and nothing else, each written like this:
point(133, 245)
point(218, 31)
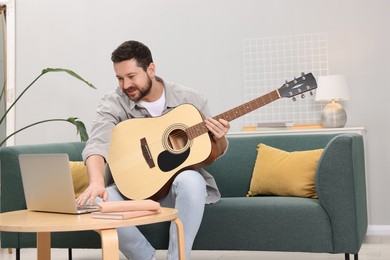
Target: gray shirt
point(115, 107)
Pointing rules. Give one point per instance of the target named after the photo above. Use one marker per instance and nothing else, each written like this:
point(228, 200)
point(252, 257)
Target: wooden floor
point(374, 248)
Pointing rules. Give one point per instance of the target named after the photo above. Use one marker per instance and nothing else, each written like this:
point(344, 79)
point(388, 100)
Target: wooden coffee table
point(44, 223)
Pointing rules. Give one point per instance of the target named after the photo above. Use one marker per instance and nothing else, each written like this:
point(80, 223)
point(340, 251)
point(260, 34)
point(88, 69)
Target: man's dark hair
point(133, 50)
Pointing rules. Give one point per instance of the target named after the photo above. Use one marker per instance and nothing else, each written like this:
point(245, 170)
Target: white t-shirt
point(155, 108)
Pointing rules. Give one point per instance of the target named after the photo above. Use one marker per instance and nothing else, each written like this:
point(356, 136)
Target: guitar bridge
point(146, 153)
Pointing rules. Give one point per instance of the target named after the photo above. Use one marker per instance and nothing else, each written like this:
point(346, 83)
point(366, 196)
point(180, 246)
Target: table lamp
point(332, 88)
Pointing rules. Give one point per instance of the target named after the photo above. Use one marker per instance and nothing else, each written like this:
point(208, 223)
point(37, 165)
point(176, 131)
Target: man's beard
point(142, 93)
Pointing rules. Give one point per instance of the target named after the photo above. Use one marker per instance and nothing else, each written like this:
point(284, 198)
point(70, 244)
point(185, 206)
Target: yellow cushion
point(80, 177)
point(282, 173)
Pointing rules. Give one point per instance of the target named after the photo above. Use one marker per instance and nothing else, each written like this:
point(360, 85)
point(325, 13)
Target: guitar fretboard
point(200, 128)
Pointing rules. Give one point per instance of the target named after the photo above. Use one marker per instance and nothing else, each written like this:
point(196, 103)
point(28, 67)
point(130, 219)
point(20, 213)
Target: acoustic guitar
point(147, 153)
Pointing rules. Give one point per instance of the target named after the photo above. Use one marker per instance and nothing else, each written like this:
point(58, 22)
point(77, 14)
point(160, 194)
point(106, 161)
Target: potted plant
point(80, 127)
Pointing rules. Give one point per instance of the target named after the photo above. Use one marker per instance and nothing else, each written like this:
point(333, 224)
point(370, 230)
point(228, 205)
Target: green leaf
point(73, 120)
point(70, 72)
point(81, 130)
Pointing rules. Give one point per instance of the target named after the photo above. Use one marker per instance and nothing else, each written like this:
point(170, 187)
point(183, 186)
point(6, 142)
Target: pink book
point(124, 214)
point(128, 205)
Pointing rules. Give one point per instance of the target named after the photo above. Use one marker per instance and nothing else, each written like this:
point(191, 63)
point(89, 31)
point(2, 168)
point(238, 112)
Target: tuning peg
point(286, 85)
point(302, 74)
point(303, 96)
point(311, 93)
point(294, 99)
point(295, 80)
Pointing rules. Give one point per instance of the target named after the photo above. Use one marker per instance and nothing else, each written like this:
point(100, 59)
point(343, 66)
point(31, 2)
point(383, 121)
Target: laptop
point(47, 183)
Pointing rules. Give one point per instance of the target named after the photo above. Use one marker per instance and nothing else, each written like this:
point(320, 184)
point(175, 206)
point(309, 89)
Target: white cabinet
point(358, 130)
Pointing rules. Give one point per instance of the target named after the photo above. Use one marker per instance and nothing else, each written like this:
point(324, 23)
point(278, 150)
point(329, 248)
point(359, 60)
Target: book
point(249, 128)
point(267, 126)
point(275, 124)
point(253, 128)
point(124, 214)
point(307, 126)
point(128, 205)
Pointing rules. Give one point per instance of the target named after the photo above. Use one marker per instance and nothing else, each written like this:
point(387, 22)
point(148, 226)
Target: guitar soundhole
point(176, 139)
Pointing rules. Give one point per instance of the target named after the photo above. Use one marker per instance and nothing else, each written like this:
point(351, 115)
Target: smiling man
point(142, 94)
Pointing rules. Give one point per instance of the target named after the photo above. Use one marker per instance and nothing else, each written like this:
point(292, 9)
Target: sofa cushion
point(79, 176)
point(282, 173)
point(265, 223)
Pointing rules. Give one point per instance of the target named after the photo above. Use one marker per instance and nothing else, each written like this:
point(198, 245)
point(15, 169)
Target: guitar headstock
point(303, 84)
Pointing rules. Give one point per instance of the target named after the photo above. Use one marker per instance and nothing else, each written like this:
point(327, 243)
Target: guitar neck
point(200, 128)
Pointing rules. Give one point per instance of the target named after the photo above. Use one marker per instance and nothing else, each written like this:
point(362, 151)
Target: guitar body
point(146, 153)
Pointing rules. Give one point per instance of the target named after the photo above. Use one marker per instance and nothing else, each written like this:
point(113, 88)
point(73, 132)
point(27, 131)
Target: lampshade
point(332, 88)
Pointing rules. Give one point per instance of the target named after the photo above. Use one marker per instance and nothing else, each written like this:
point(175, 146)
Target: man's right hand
point(93, 191)
point(95, 166)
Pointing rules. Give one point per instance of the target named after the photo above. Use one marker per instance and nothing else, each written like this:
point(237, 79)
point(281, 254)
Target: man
point(142, 94)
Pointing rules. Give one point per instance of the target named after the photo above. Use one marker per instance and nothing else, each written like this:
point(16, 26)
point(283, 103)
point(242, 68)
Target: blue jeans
point(188, 196)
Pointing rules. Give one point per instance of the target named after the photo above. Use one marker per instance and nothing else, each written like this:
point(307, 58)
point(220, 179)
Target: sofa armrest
point(341, 189)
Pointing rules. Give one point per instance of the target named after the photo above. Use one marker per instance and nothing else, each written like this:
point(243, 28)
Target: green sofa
point(334, 223)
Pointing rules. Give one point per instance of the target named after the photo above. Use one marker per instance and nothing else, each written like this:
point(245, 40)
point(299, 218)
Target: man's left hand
point(218, 128)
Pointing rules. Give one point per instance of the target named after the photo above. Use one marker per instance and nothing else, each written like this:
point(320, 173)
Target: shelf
point(358, 130)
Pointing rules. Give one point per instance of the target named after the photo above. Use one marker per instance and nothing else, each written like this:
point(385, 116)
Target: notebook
point(47, 183)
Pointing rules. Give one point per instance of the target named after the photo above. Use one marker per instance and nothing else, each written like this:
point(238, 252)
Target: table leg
point(43, 245)
point(180, 238)
point(110, 244)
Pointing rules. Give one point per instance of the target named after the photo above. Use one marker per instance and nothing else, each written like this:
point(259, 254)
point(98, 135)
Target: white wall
point(199, 44)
